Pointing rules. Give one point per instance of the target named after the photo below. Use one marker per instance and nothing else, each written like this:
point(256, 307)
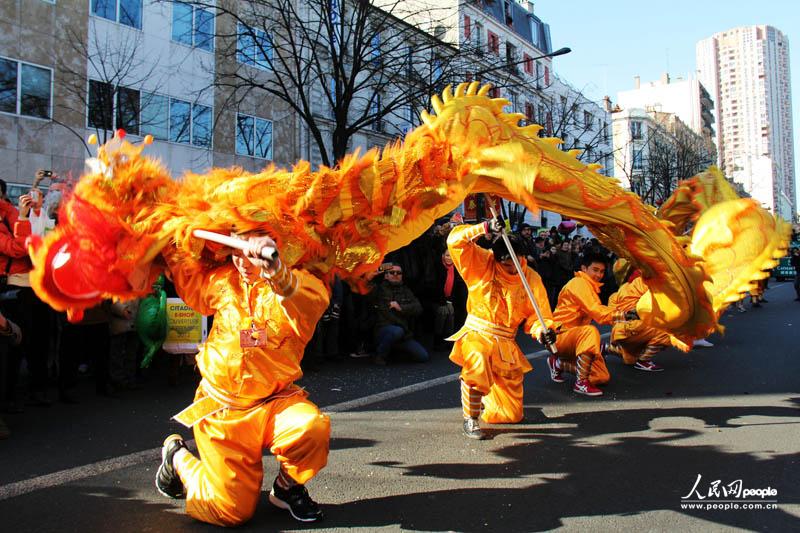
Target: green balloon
point(151, 321)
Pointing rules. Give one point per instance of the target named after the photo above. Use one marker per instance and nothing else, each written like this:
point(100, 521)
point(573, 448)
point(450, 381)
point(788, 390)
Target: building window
point(143, 113)
point(409, 116)
point(437, 69)
point(375, 109)
point(478, 38)
point(508, 12)
point(512, 97)
point(528, 64)
point(375, 50)
point(180, 121)
point(192, 26)
point(201, 125)
point(127, 12)
point(101, 105)
point(467, 28)
point(493, 42)
point(334, 99)
point(511, 57)
point(636, 129)
point(637, 161)
point(335, 19)
point(546, 75)
point(25, 89)
point(154, 116)
point(253, 136)
point(128, 106)
point(587, 120)
point(254, 47)
point(529, 113)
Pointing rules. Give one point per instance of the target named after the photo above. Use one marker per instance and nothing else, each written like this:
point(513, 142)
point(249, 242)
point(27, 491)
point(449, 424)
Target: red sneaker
point(555, 372)
point(582, 386)
point(647, 366)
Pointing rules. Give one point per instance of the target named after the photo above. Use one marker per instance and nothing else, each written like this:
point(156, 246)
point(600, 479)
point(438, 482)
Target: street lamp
point(559, 52)
point(505, 66)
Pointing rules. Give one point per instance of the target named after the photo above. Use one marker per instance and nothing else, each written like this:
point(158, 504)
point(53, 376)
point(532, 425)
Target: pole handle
point(268, 252)
point(550, 347)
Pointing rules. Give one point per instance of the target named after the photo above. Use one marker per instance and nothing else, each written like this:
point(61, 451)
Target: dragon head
point(100, 250)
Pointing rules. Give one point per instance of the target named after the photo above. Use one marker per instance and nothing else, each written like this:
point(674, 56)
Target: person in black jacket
point(394, 307)
point(546, 267)
point(450, 301)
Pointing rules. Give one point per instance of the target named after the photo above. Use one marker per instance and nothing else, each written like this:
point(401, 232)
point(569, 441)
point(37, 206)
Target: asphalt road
point(399, 462)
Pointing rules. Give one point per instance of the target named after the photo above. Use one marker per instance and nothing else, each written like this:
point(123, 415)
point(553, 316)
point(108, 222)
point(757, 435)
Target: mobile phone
point(47, 173)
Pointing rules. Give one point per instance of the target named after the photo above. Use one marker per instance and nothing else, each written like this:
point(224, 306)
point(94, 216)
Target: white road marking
point(62, 477)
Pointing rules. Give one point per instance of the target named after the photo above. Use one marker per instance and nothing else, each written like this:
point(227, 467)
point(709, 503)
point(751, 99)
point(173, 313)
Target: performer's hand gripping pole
point(268, 253)
point(550, 347)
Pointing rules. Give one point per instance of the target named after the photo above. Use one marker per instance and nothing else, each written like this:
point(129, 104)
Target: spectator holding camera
point(21, 304)
point(395, 307)
point(41, 219)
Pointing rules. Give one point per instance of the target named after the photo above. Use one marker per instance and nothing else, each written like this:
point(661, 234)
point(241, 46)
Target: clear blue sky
point(615, 40)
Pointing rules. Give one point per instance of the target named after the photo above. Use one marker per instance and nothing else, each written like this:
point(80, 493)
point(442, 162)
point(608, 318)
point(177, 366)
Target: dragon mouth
point(68, 278)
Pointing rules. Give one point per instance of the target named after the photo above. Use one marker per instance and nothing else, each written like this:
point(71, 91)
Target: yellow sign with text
point(186, 328)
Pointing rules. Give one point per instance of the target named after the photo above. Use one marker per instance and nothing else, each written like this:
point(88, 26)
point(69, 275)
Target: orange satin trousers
point(502, 391)
point(634, 337)
point(579, 353)
point(223, 486)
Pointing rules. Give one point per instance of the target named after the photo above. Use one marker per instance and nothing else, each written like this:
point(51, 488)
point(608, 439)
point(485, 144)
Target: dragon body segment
point(737, 239)
point(342, 221)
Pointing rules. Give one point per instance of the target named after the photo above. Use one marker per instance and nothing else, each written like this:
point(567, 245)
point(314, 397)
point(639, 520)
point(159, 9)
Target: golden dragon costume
point(342, 221)
point(737, 239)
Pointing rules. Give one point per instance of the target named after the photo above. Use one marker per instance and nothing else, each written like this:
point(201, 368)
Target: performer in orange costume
point(579, 341)
point(632, 340)
point(492, 365)
point(265, 315)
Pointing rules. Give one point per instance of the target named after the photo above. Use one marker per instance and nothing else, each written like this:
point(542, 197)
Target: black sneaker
point(473, 430)
point(168, 482)
point(297, 501)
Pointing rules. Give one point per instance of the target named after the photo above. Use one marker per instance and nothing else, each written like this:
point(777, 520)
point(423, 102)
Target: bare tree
point(343, 66)
point(669, 152)
point(674, 153)
point(105, 80)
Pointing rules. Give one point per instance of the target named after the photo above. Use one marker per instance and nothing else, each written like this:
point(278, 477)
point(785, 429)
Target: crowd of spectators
point(39, 344)
point(418, 298)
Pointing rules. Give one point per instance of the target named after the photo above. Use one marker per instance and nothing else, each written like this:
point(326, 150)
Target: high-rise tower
point(746, 71)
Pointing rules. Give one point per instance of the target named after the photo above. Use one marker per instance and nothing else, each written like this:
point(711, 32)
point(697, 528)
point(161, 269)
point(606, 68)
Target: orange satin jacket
point(579, 303)
point(496, 297)
point(249, 374)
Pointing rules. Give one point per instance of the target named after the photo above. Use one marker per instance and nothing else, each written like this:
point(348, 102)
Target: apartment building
point(746, 71)
point(654, 150)
point(686, 98)
point(71, 68)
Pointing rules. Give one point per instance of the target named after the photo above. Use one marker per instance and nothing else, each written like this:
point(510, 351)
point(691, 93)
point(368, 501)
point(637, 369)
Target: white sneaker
point(702, 343)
